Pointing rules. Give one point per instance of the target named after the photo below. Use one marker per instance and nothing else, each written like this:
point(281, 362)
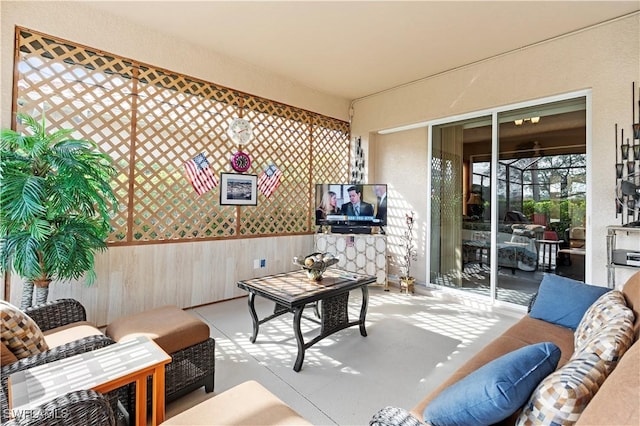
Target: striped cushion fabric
point(19, 332)
point(607, 308)
point(562, 396)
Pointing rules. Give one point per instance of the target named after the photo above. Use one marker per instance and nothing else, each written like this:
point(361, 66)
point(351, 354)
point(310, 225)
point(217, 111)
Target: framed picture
point(238, 190)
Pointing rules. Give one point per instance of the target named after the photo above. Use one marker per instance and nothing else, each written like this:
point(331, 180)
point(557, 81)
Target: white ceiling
point(355, 48)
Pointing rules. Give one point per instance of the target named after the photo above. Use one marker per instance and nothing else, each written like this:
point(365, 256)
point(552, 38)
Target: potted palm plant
point(56, 200)
point(409, 255)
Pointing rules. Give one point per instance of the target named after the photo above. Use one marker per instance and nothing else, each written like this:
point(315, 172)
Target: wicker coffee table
point(292, 291)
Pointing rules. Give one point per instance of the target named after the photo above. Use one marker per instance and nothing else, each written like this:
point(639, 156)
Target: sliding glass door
point(461, 205)
point(508, 201)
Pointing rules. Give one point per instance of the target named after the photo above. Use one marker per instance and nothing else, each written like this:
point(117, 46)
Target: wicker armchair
point(57, 313)
point(394, 416)
point(81, 408)
point(48, 316)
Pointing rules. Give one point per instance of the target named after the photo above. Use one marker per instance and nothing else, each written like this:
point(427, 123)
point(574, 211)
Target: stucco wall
point(76, 22)
point(604, 59)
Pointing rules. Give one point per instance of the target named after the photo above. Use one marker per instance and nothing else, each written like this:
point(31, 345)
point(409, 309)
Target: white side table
point(102, 370)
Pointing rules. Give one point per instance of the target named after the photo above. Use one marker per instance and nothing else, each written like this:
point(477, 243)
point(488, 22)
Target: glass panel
point(541, 193)
point(461, 210)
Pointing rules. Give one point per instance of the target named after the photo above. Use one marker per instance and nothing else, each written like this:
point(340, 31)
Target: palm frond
point(32, 124)
point(40, 229)
point(22, 196)
point(70, 248)
point(12, 140)
point(55, 195)
point(16, 159)
point(20, 254)
point(58, 136)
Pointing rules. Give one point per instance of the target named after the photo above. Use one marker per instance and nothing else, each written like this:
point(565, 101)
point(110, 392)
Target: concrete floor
point(517, 288)
point(414, 342)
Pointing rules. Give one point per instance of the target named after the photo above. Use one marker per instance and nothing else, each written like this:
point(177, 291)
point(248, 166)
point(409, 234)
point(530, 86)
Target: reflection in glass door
point(460, 206)
point(541, 190)
point(538, 202)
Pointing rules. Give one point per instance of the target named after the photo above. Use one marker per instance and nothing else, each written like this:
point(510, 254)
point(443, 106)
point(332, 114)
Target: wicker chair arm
point(76, 347)
point(394, 416)
point(57, 313)
point(82, 408)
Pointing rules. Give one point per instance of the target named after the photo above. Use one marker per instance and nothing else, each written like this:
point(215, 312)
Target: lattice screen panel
point(282, 137)
point(330, 159)
point(451, 182)
point(85, 91)
point(151, 121)
point(177, 119)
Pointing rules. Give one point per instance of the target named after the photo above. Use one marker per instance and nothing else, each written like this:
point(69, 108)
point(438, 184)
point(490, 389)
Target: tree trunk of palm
point(27, 295)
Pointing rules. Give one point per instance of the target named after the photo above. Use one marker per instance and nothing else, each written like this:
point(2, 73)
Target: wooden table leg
point(141, 400)
point(158, 402)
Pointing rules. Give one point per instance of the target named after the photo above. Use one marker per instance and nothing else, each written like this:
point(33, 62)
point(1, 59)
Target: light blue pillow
point(564, 301)
point(496, 390)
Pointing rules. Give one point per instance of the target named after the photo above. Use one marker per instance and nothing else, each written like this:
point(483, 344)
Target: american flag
point(269, 180)
point(200, 174)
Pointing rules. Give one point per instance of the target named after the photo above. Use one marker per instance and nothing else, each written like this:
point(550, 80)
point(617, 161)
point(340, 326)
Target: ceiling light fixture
point(521, 121)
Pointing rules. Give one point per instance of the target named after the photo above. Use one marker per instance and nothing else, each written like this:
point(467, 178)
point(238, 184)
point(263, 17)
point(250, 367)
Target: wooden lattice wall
point(151, 121)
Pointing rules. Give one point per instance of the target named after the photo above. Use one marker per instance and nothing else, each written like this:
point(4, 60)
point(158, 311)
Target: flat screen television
point(351, 205)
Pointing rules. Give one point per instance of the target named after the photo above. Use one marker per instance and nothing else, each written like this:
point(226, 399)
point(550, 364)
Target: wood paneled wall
point(135, 278)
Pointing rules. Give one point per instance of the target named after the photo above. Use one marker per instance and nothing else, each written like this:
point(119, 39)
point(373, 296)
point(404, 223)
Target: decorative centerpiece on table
point(315, 264)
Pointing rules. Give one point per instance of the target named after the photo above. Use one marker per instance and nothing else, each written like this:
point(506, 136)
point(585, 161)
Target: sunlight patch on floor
point(276, 340)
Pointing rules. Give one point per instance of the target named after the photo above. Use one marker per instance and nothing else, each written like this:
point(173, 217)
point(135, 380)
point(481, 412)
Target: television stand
point(350, 229)
point(362, 254)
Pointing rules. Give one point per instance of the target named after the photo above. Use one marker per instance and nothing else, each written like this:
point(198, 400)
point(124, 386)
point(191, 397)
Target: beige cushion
point(631, 292)
point(169, 326)
point(69, 333)
point(7, 356)
point(531, 330)
point(563, 395)
point(19, 332)
point(247, 404)
point(618, 400)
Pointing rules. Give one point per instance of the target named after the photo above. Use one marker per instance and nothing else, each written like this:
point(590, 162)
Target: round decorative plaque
point(240, 162)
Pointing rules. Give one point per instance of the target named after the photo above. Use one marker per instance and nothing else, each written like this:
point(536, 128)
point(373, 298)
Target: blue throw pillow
point(496, 390)
point(564, 301)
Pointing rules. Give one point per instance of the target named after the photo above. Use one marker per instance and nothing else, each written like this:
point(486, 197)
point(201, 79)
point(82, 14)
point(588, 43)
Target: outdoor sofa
point(594, 379)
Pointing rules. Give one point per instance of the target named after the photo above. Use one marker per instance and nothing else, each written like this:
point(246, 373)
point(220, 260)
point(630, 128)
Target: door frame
point(493, 112)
